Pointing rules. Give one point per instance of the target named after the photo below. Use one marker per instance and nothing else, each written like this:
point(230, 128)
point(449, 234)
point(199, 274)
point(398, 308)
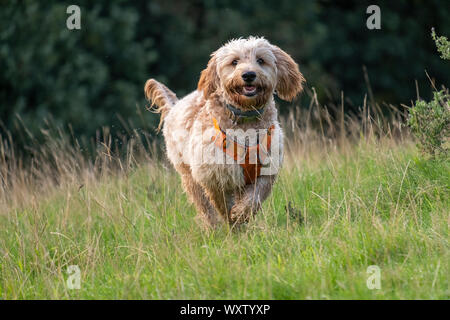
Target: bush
point(430, 124)
point(430, 121)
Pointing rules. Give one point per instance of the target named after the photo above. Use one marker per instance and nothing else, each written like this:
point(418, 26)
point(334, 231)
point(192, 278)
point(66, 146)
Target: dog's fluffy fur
point(218, 191)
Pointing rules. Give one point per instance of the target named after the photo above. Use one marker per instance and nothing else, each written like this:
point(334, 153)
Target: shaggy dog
point(207, 133)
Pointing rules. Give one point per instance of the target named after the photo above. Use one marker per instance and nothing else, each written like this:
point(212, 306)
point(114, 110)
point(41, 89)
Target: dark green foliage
point(94, 77)
point(84, 78)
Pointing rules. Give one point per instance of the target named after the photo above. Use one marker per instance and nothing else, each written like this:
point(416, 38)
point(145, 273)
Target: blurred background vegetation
point(93, 78)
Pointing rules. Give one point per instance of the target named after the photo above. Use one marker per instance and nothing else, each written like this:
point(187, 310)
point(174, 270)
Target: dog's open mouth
point(250, 91)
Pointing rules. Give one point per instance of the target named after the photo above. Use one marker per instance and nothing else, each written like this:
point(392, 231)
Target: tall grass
point(353, 192)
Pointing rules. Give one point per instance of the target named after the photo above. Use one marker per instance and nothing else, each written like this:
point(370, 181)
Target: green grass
point(134, 235)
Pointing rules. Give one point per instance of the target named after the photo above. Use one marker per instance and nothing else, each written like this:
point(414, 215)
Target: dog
point(234, 93)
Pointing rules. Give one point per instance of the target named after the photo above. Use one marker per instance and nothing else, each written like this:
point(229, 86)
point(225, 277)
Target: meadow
point(354, 191)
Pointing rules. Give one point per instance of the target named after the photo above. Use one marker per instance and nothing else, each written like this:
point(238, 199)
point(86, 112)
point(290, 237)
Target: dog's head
point(249, 71)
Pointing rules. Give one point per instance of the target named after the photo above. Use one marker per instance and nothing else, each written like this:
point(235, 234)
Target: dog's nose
point(249, 76)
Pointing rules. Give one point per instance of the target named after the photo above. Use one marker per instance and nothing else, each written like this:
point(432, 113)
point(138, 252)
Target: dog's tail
point(161, 97)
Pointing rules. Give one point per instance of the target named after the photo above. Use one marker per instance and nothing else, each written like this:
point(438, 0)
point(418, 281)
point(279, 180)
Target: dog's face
point(248, 72)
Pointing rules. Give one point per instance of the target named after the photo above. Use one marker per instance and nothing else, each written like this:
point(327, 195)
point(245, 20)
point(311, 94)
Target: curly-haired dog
point(235, 91)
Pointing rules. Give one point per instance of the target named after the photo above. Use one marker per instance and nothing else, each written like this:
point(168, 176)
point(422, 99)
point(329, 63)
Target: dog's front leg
point(249, 200)
point(221, 200)
point(196, 194)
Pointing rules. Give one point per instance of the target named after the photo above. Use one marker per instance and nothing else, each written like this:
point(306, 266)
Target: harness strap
point(241, 153)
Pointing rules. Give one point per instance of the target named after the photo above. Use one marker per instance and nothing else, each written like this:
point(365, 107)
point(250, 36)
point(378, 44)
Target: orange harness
point(251, 170)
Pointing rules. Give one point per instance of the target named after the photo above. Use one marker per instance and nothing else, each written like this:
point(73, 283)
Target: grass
point(338, 207)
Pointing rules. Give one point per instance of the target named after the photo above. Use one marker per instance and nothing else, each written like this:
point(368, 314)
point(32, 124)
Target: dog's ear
point(290, 79)
point(209, 80)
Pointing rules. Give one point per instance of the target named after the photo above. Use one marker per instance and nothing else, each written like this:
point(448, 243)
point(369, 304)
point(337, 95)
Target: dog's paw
point(239, 214)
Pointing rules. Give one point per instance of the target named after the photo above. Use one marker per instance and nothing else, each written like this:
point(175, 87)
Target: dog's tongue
point(249, 88)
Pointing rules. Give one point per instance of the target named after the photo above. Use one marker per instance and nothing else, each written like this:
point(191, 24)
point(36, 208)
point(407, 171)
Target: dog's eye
point(234, 62)
point(260, 61)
